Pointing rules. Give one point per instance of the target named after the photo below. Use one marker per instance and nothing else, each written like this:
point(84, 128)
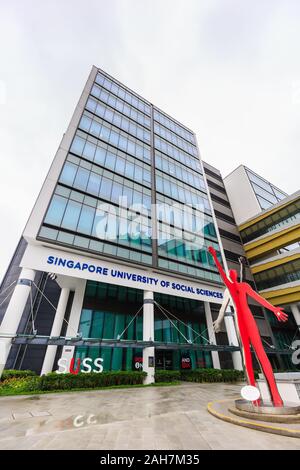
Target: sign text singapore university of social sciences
point(73, 265)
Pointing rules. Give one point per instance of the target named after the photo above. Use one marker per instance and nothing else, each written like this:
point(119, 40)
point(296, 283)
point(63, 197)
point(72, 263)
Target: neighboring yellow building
point(272, 245)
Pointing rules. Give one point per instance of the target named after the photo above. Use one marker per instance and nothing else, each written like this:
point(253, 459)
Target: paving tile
point(171, 418)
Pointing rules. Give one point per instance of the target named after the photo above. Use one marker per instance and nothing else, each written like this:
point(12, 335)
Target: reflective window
point(283, 274)
point(264, 204)
point(125, 95)
point(124, 123)
point(111, 158)
point(181, 192)
point(287, 215)
point(174, 126)
point(127, 229)
point(68, 174)
point(115, 137)
point(169, 166)
point(176, 153)
point(119, 104)
point(56, 210)
point(86, 219)
point(175, 139)
point(267, 194)
point(71, 215)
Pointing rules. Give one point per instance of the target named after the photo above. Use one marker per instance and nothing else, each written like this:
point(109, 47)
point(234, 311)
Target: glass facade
point(283, 274)
point(285, 334)
point(127, 157)
point(128, 164)
point(110, 310)
point(286, 215)
point(266, 193)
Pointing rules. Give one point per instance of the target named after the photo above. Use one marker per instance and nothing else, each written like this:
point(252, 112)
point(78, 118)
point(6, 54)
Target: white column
point(233, 340)
point(14, 312)
point(148, 335)
point(68, 351)
point(211, 335)
point(296, 312)
point(56, 329)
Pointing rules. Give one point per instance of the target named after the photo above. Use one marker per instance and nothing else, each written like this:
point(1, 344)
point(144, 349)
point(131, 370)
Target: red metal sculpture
point(248, 329)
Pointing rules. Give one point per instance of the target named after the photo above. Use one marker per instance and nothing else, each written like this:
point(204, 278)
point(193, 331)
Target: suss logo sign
point(86, 366)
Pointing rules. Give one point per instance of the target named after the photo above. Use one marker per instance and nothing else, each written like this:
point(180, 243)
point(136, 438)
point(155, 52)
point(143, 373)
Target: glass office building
point(125, 148)
point(124, 220)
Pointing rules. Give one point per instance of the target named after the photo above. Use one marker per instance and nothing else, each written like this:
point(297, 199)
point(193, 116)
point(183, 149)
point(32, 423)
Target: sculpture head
point(233, 275)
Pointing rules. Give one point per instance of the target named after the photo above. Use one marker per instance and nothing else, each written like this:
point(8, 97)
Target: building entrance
point(164, 360)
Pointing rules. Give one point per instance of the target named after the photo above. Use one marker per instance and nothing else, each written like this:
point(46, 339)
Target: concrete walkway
point(142, 418)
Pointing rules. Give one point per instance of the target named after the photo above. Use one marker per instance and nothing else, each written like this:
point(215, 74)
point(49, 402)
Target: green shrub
point(54, 381)
point(167, 375)
point(20, 384)
point(199, 375)
point(11, 373)
point(212, 375)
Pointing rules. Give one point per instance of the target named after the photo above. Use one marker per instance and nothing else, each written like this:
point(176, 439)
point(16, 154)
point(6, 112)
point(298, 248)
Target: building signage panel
point(74, 265)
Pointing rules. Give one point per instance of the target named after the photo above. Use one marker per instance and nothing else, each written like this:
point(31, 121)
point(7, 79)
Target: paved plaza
point(174, 418)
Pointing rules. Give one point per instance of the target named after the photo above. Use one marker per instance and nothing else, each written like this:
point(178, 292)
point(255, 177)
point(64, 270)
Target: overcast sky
point(228, 69)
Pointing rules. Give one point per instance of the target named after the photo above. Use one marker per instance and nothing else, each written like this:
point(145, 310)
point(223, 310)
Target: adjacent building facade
point(271, 240)
point(234, 251)
point(250, 193)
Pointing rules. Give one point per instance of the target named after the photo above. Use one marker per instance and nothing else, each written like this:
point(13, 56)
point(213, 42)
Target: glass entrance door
point(164, 360)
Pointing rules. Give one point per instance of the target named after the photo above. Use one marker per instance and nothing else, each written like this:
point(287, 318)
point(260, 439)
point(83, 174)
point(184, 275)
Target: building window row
point(193, 222)
point(73, 214)
point(167, 165)
point(222, 216)
point(125, 95)
point(181, 192)
point(103, 184)
point(216, 186)
point(169, 214)
point(112, 159)
point(271, 198)
point(175, 266)
point(172, 151)
point(174, 139)
point(285, 216)
point(115, 137)
point(229, 235)
point(289, 272)
point(94, 246)
point(231, 256)
point(266, 193)
point(184, 243)
point(121, 106)
point(188, 162)
point(173, 126)
point(118, 120)
point(212, 173)
point(220, 200)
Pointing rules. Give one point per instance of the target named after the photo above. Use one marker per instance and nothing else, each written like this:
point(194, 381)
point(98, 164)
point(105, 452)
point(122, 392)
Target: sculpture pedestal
point(288, 384)
point(266, 409)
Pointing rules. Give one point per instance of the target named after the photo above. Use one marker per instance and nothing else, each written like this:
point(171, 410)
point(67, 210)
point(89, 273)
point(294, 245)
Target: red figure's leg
point(247, 357)
point(266, 367)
